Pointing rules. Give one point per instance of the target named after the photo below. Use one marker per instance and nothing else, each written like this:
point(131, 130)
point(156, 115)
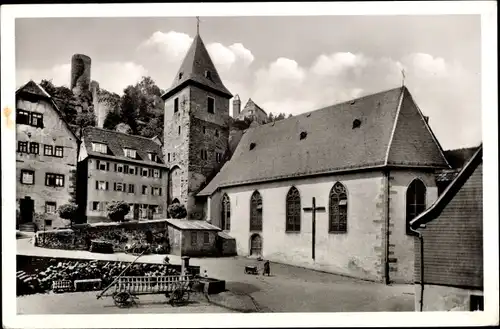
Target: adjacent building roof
point(117, 142)
point(459, 157)
point(193, 70)
point(450, 192)
point(33, 89)
point(383, 129)
point(196, 225)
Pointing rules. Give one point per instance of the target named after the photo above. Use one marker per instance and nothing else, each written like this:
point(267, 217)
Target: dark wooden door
point(255, 245)
point(26, 206)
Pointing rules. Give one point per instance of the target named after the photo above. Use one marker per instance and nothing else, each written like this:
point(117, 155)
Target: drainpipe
point(387, 221)
point(421, 240)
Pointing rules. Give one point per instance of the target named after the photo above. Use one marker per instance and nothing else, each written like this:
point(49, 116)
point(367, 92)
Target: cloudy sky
point(285, 64)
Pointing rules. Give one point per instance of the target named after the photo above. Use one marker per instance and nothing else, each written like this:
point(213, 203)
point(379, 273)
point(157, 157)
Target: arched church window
point(226, 213)
point(338, 209)
point(293, 210)
point(415, 201)
point(256, 212)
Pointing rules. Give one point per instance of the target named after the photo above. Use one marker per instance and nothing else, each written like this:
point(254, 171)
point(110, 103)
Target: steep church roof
point(253, 111)
point(193, 70)
point(375, 131)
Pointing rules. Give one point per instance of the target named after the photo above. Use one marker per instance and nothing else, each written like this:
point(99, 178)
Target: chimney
point(236, 106)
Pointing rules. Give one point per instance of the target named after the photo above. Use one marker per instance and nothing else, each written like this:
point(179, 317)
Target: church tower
point(196, 127)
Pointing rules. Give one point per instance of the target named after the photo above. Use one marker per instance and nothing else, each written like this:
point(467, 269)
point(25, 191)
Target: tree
point(68, 211)
point(117, 210)
point(85, 119)
point(123, 128)
point(177, 210)
point(111, 121)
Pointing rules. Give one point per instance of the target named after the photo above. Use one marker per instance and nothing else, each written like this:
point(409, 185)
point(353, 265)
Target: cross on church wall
point(313, 210)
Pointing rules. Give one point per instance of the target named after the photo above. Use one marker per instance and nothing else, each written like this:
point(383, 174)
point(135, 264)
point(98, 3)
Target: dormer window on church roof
point(208, 75)
point(180, 75)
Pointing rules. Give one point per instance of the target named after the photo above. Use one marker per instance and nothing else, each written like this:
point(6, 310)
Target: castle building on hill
point(370, 162)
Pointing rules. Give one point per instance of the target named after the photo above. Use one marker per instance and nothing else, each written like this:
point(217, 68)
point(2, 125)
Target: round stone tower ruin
point(80, 73)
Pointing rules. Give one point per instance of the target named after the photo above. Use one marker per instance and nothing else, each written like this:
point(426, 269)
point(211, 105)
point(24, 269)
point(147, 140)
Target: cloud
point(173, 46)
point(112, 76)
point(287, 86)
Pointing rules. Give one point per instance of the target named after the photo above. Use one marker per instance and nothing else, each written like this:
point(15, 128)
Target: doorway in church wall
point(255, 245)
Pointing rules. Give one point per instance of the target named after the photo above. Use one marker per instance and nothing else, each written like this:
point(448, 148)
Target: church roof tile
point(378, 130)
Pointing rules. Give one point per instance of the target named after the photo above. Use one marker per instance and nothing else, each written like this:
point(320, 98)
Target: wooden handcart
point(125, 290)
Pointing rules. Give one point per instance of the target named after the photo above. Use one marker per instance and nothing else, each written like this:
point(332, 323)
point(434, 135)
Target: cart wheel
point(122, 299)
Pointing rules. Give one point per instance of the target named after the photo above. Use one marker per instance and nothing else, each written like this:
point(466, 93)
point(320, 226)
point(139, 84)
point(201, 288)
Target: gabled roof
point(251, 109)
point(117, 142)
point(33, 89)
point(450, 192)
point(392, 132)
point(251, 105)
point(193, 70)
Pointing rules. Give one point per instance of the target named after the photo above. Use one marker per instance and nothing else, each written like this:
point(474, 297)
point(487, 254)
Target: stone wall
point(119, 234)
point(443, 298)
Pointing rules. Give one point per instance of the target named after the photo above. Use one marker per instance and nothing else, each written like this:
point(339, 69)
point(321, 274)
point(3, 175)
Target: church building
point(368, 164)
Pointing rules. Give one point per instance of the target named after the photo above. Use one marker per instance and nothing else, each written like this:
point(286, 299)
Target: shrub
point(177, 210)
point(68, 211)
point(117, 210)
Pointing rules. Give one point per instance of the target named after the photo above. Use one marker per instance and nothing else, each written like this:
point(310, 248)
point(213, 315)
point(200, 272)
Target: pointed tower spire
point(197, 24)
point(198, 69)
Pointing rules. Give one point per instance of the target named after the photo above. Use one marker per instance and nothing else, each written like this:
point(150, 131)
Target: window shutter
point(97, 164)
point(115, 167)
point(125, 169)
point(96, 185)
point(124, 188)
point(152, 190)
point(114, 186)
point(107, 186)
point(160, 172)
point(150, 172)
point(107, 166)
point(160, 191)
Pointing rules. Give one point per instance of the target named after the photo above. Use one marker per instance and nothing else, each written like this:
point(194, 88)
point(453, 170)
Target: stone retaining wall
point(119, 234)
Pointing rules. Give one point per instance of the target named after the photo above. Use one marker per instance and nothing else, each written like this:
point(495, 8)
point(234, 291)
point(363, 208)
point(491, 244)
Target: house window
point(216, 133)
point(48, 222)
point(156, 173)
point(153, 157)
point(206, 238)
point(204, 154)
point(34, 148)
point(50, 207)
point(131, 188)
point(226, 213)
point(59, 151)
point(415, 202)
point(156, 191)
point(37, 120)
point(218, 157)
point(176, 105)
point(194, 238)
point(48, 150)
point(102, 165)
point(22, 117)
point(211, 105)
point(129, 153)
point(293, 210)
point(144, 172)
point(338, 209)
point(27, 177)
point(95, 205)
point(256, 212)
point(131, 170)
point(100, 185)
point(119, 187)
point(22, 147)
point(144, 189)
point(119, 168)
point(55, 180)
point(99, 147)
